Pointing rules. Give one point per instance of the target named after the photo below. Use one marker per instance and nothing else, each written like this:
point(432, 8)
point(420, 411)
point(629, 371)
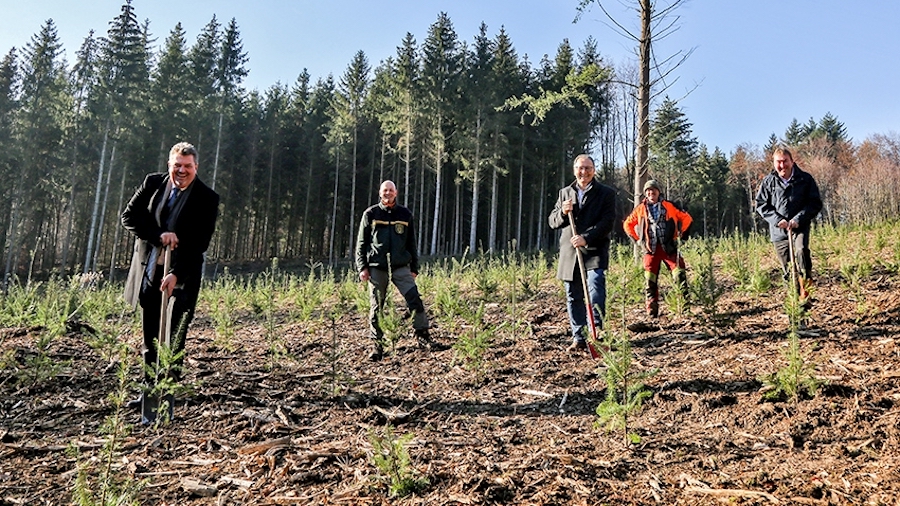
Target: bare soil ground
point(263, 430)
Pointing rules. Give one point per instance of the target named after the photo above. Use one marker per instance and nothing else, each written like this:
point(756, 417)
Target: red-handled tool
point(587, 297)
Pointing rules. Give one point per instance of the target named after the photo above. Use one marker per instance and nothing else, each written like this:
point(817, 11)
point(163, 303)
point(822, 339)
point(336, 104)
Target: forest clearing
point(285, 409)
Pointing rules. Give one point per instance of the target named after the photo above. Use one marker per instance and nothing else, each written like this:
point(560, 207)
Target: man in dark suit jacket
point(176, 211)
point(593, 206)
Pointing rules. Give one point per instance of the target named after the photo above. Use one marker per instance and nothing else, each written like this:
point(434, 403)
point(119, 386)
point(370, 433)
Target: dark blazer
point(194, 227)
point(593, 220)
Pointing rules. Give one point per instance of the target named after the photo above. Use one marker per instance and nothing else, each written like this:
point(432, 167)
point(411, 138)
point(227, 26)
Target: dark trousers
point(405, 282)
point(802, 256)
point(182, 314)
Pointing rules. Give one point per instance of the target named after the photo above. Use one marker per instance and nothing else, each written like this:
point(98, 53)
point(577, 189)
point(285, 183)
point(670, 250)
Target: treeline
point(296, 164)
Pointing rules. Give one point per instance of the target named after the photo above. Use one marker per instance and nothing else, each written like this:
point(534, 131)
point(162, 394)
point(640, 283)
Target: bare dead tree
point(656, 24)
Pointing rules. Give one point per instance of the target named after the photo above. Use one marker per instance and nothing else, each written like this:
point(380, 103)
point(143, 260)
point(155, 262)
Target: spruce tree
point(171, 92)
point(673, 149)
point(348, 107)
point(41, 120)
point(441, 65)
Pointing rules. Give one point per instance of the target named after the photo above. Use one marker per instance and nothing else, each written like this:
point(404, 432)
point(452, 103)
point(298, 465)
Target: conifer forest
point(297, 163)
point(738, 392)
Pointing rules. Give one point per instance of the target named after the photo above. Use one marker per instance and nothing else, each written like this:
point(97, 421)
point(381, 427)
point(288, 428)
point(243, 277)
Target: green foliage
point(166, 372)
point(795, 378)
point(390, 455)
point(308, 294)
point(673, 151)
point(99, 482)
point(108, 340)
point(264, 301)
point(705, 287)
point(624, 284)
point(574, 91)
point(474, 341)
point(741, 259)
point(676, 301)
point(798, 376)
point(392, 324)
point(49, 309)
point(625, 391)
point(335, 375)
point(352, 295)
point(37, 304)
point(263, 291)
point(487, 283)
point(223, 299)
point(40, 366)
point(853, 274)
point(893, 264)
point(532, 271)
point(449, 304)
point(445, 283)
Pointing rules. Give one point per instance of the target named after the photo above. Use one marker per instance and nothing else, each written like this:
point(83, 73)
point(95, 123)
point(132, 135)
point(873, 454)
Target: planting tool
point(796, 283)
point(587, 297)
point(793, 265)
point(794, 274)
point(153, 399)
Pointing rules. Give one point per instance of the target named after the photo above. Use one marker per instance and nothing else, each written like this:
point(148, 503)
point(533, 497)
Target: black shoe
point(423, 339)
point(577, 346)
point(377, 353)
point(135, 404)
point(427, 343)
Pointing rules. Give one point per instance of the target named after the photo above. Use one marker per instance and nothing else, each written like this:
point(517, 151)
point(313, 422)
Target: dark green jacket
point(383, 232)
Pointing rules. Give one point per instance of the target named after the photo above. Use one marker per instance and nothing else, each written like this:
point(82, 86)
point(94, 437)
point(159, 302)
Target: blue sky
point(756, 64)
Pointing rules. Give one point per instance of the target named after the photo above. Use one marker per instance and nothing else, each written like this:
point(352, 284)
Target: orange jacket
point(637, 225)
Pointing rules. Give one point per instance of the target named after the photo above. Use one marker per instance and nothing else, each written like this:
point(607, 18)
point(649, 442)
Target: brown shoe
point(577, 346)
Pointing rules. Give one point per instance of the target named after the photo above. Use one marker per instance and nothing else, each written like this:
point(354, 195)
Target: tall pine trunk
point(269, 220)
point(476, 176)
point(305, 244)
point(457, 219)
point(438, 166)
point(540, 218)
point(521, 198)
point(218, 147)
point(408, 161)
point(337, 173)
point(102, 221)
point(495, 176)
point(112, 257)
point(88, 254)
point(353, 188)
point(12, 235)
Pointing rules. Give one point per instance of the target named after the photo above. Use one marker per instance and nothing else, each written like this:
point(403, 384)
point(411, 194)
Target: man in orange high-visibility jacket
point(656, 223)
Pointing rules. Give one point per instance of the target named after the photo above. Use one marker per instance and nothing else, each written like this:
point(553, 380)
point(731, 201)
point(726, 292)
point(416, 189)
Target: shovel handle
point(164, 307)
point(584, 289)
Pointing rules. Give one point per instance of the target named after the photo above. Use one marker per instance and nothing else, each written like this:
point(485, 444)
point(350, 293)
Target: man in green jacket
point(386, 252)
